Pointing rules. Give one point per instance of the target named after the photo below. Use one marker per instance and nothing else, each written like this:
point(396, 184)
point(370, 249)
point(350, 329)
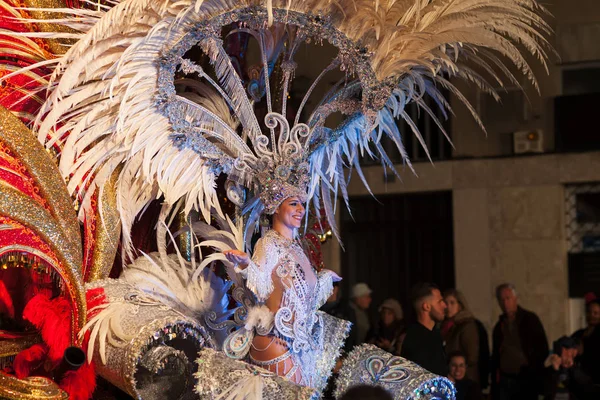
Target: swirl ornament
point(403, 379)
point(382, 370)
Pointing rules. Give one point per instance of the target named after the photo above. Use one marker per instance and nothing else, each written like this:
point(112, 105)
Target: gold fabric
point(34, 388)
point(44, 171)
point(56, 46)
point(108, 231)
point(26, 211)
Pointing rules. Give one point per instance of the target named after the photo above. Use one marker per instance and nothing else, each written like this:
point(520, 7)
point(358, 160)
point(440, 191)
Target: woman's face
point(291, 212)
point(592, 315)
point(458, 368)
point(453, 306)
point(387, 316)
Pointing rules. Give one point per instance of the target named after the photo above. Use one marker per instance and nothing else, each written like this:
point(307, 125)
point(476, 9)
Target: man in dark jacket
point(423, 341)
point(520, 347)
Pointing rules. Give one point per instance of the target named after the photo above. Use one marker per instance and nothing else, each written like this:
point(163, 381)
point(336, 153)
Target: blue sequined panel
point(403, 379)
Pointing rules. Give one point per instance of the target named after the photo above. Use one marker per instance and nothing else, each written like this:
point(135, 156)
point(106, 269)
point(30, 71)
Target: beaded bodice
point(280, 263)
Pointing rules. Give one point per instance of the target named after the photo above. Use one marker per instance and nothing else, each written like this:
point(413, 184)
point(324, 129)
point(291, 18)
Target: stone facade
point(508, 227)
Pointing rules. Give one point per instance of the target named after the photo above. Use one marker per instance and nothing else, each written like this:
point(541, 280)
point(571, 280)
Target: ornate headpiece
point(282, 171)
point(282, 182)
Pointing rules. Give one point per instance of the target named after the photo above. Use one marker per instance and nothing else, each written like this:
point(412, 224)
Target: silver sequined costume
point(278, 261)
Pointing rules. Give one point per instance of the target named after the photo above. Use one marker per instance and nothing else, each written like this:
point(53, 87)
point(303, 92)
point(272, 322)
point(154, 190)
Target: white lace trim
point(296, 320)
point(325, 286)
point(259, 281)
point(259, 271)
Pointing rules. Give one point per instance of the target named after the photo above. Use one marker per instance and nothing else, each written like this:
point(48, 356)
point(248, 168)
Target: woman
point(590, 340)
point(460, 331)
point(391, 329)
point(282, 279)
point(466, 389)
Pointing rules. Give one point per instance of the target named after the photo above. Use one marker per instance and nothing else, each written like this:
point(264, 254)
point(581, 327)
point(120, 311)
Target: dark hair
point(366, 392)
point(564, 342)
point(456, 353)
point(421, 291)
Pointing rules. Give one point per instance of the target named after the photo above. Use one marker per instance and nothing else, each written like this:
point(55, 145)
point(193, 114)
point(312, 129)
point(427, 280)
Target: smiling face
point(290, 213)
point(458, 368)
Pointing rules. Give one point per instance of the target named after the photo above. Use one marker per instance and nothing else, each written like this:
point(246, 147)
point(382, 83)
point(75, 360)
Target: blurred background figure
point(358, 313)
point(466, 389)
point(589, 338)
point(565, 379)
point(389, 332)
point(519, 349)
point(334, 306)
point(366, 392)
point(460, 332)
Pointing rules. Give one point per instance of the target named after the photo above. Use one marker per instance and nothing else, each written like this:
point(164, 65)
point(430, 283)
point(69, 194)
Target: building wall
point(576, 24)
point(508, 227)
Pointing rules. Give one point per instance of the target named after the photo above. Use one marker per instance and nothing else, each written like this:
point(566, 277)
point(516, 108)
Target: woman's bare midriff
point(267, 348)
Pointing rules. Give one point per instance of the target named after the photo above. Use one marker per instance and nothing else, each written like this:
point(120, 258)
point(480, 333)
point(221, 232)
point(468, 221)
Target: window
point(583, 237)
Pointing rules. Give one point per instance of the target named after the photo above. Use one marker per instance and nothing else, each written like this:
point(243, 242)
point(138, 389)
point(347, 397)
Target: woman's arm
point(256, 270)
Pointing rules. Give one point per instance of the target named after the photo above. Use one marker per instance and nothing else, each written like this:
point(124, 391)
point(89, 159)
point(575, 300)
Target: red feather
point(29, 360)
point(53, 319)
point(34, 312)
point(6, 304)
point(80, 384)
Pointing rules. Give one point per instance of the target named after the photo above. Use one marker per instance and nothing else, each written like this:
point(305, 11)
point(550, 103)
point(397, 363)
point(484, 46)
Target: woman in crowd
point(460, 332)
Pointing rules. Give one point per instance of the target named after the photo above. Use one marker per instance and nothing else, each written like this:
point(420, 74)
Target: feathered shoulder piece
point(164, 91)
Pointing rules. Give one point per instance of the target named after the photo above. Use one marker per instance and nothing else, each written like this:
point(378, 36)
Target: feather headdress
point(116, 99)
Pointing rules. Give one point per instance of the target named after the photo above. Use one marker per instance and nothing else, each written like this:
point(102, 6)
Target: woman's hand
point(238, 258)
